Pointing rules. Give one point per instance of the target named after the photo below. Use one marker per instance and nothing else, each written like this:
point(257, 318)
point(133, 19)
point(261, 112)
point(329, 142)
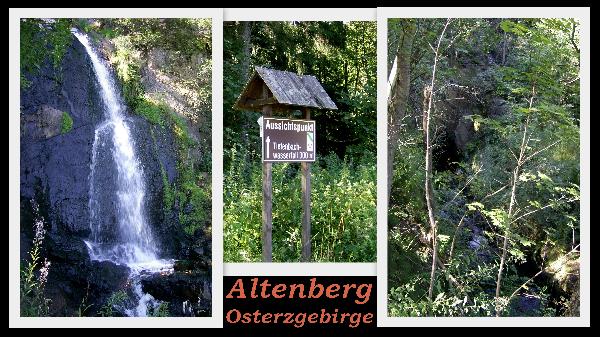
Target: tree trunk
point(246, 60)
point(247, 47)
point(504, 42)
point(513, 194)
point(398, 96)
point(427, 104)
point(506, 236)
point(267, 186)
point(427, 97)
point(305, 182)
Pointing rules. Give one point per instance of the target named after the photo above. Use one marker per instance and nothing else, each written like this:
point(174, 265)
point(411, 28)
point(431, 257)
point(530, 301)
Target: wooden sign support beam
point(267, 210)
point(306, 235)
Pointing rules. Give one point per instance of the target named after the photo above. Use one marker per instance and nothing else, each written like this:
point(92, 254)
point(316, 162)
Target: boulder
point(44, 123)
point(181, 290)
point(498, 107)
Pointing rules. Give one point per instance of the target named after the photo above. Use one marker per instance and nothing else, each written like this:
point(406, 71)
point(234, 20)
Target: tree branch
point(539, 209)
point(572, 38)
point(496, 192)
point(541, 150)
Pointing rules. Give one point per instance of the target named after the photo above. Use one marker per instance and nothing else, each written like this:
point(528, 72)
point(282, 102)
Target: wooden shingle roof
point(287, 91)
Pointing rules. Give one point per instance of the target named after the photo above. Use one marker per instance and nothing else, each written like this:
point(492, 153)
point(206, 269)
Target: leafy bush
point(126, 61)
point(67, 123)
point(40, 40)
point(343, 209)
point(162, 310)
point(153, 112)
point(116, 299)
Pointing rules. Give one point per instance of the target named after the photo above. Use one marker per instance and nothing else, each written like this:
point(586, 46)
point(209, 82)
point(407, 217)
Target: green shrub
point(41, 40)
point(162, 310)
point(343, 210)
point(126, 61)
point(152, 112)
point(67, 123)
point(116, 299)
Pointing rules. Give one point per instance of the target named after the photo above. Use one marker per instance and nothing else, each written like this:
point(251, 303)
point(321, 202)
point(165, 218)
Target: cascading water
point(131, 242)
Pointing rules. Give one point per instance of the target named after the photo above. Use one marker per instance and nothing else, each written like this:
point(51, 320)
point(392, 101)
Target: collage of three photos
point(482, 175)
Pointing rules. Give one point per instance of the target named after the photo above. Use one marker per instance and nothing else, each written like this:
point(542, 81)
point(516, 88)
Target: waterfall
point(131, 242)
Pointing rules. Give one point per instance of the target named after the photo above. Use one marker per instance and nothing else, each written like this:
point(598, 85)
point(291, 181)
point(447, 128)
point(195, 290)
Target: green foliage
point(402, 304)
point(127, 62)
point(59, 39)
point(67, 123)
point(34, 273)
point(188, 36)
point(343, 211)
point(192, 192)
point(115, 300)
point(194, 202)
point(40, 40)
point(510, 61)
point(162, 310)
point(153, 112)
point(84, 306)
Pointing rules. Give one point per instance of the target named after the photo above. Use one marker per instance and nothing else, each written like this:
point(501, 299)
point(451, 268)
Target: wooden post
point(267, 210)
point(306, 236)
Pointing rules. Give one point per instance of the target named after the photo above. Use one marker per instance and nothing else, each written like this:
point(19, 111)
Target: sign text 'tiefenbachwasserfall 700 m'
point(288, 140)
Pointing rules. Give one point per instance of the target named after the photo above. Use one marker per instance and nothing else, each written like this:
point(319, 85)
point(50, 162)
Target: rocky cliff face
point(54, 170)
point(58, 164)
point(469, 92)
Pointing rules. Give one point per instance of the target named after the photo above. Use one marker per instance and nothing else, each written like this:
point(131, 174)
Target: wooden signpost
point(283, 139)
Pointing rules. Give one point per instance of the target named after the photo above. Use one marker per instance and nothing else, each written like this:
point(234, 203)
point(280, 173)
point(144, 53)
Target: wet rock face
point(526, 305)
point(188, 294)
point(156, 151)
point(59, 163)
point(74, 280)
point(463, 133)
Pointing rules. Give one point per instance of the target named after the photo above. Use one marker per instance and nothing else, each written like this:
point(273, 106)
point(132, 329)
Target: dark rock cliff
point(55, 169)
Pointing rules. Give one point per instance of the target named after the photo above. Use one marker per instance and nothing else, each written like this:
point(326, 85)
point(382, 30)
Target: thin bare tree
point(521, 160)
point(427, 105)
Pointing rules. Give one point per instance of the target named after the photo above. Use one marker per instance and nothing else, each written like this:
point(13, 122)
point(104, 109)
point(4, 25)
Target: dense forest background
point(342, 56)
point(484, 167)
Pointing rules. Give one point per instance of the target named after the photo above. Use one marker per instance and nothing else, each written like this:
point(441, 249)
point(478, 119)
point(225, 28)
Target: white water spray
point(134, 245)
